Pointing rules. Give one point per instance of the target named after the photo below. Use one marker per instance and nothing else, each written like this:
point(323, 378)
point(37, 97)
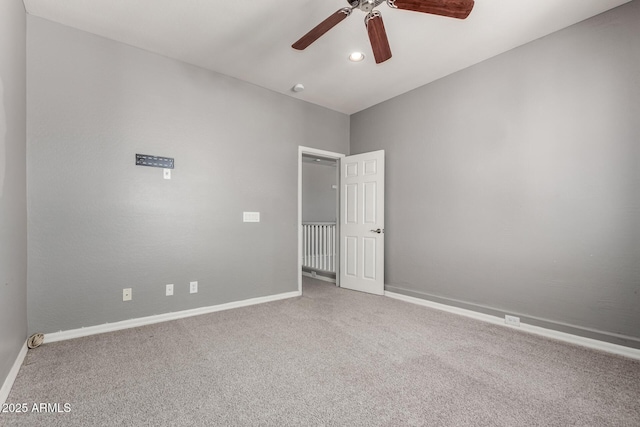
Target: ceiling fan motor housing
point(365, 5)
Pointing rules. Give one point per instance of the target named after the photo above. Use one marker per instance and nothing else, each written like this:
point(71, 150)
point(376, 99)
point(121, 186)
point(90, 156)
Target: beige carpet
point(330, 357)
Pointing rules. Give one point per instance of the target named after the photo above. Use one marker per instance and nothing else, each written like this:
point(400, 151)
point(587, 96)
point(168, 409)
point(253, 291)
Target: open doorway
point(319, 217)
point(318, 204)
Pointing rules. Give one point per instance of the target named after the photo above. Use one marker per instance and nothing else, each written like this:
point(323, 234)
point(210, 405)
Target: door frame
point(329, 155)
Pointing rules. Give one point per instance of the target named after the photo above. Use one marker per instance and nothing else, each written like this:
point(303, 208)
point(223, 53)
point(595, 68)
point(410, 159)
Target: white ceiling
point(251, 39)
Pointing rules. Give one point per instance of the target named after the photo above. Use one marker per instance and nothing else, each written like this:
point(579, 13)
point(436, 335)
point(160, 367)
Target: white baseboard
point(13, 373)
point(141, 321)
point(319, 277)
point(549, 333)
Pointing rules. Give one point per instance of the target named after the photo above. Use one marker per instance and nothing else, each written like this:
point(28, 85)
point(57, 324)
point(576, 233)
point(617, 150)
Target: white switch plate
point(193, 287)
point(250, 216)
point(166, 173)
point(127, 294)
point(169, 290)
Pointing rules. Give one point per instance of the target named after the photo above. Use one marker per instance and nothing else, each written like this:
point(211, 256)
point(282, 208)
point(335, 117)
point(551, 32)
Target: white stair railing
point(319, 246)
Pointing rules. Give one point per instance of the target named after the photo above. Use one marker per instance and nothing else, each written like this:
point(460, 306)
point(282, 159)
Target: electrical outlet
point(127, 294)
point(193, 287)
point(169, 290)
point(511, 320)
point(166, 173)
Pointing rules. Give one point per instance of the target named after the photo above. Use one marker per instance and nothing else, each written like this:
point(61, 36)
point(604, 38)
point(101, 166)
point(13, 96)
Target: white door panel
point(362, 222)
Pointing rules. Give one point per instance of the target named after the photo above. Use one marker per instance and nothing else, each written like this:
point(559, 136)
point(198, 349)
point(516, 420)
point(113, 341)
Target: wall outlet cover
point(511, 320)
point(169, 290)
point(127, 294)
point(193, 287)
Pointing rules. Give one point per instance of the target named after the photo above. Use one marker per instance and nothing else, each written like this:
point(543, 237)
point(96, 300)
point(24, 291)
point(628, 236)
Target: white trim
point(313, 151)
point(317, 152)
point(142, 321)
point(13, 373)
point(620, 350)
point(319, 223)
point(319, 277)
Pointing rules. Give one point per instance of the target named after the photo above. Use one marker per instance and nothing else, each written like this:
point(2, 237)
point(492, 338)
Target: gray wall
point(319, 200)
point(98, 223)
point(13, 192)
point(513, 186)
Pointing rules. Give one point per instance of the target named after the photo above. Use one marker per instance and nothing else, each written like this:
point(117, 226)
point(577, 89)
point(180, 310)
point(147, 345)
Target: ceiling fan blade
point(452, 8)
point(378, 37)
point(317, 31)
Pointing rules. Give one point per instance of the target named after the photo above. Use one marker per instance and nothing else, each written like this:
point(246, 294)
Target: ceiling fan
point(373, 20)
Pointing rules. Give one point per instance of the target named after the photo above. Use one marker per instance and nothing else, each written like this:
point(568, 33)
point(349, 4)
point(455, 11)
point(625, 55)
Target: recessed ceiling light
point(356, 57)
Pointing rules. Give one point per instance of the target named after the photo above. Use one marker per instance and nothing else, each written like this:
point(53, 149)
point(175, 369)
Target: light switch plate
point(250, 216)
point(166, 173)
point(169, 290)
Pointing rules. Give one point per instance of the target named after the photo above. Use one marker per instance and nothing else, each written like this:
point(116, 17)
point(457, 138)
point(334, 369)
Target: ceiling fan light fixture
point(356, 56)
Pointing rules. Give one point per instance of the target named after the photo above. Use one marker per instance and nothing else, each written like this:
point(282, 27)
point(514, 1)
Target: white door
point(362, 222)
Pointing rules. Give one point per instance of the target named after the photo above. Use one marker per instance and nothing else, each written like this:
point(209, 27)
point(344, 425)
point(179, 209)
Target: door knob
point(379, 230)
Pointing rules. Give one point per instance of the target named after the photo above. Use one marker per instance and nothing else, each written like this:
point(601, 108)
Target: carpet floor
point(331, 357)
